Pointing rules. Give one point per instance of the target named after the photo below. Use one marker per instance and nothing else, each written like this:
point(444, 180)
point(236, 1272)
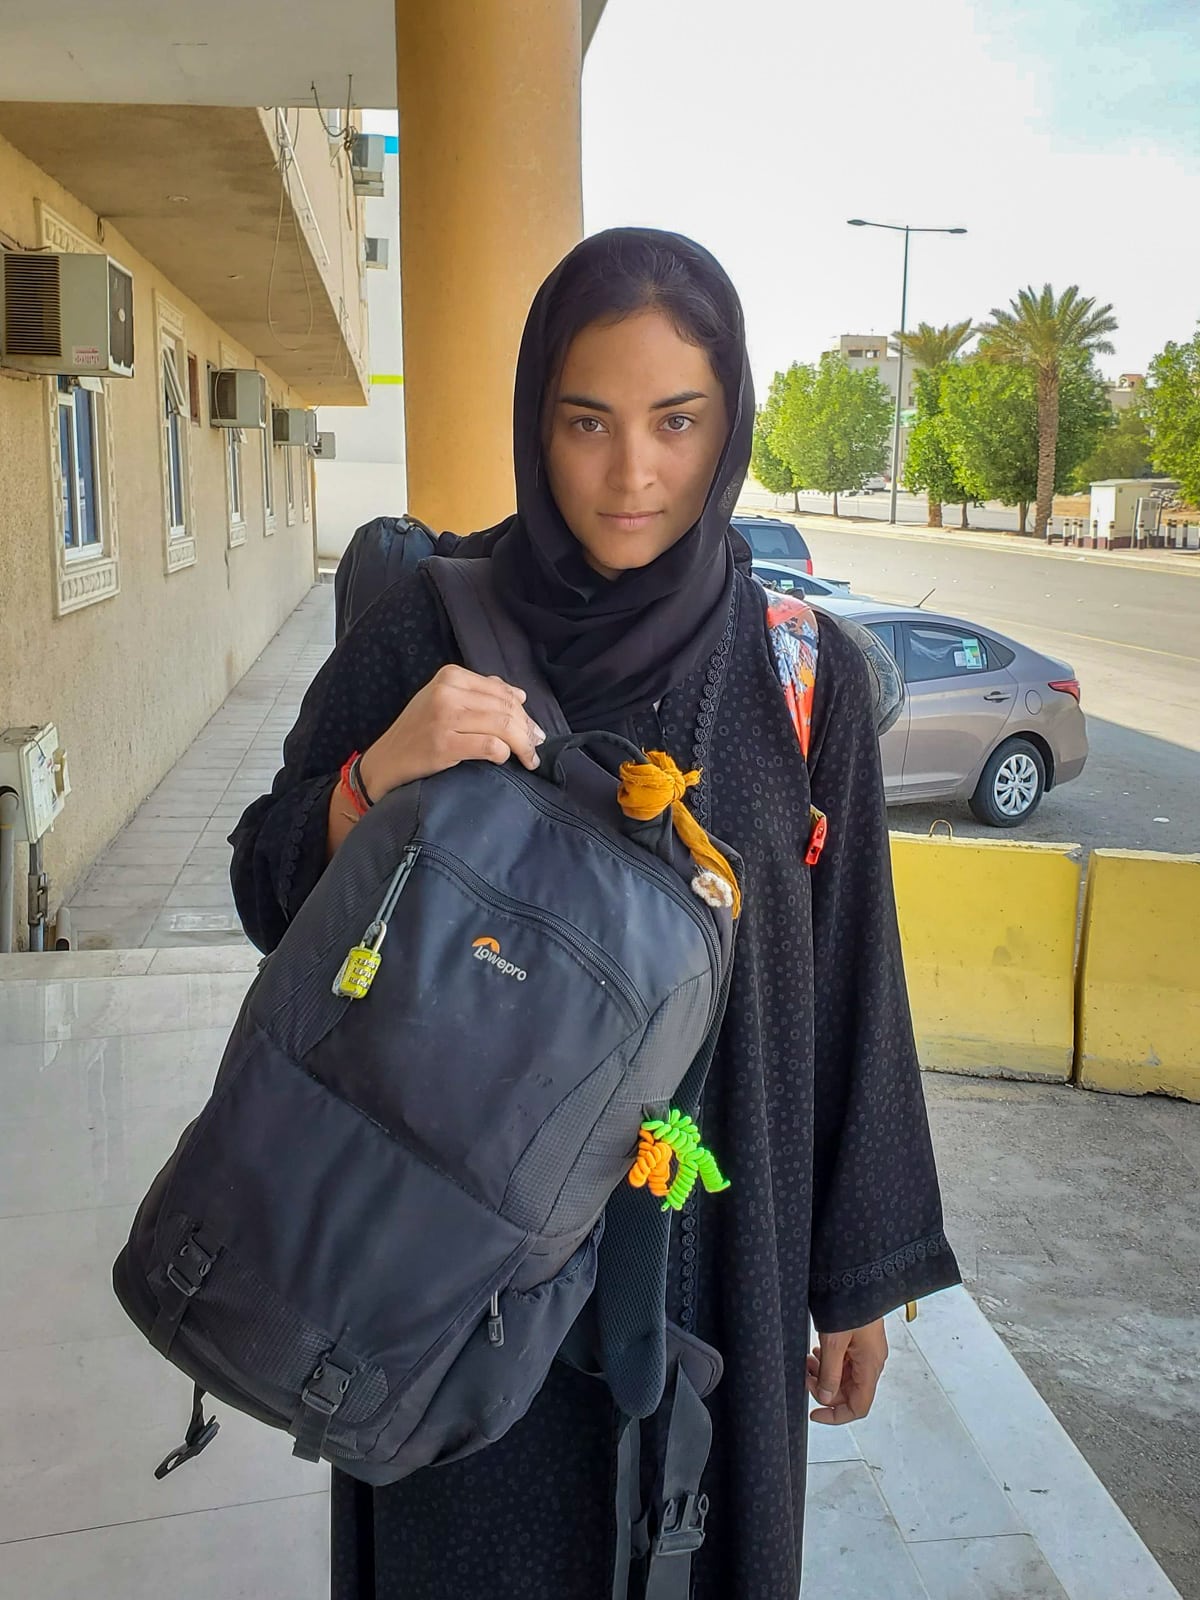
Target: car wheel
point(1011, 785)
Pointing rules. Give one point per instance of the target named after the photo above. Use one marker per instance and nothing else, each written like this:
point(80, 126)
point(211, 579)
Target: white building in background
point(367, 477)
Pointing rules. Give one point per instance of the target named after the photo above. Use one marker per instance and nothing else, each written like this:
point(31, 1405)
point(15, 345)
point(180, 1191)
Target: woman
point(633, 417)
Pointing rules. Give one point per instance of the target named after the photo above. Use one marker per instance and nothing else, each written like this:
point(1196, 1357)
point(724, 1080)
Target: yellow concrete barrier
point(1138, 1029)
point(988, 929)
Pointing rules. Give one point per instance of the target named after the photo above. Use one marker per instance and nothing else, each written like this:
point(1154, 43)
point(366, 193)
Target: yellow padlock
point(357, 972)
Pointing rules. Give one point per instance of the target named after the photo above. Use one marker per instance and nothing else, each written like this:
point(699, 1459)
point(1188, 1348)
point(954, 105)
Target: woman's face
point(632, 438)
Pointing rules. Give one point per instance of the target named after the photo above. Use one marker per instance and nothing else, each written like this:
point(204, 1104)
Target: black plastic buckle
point(682, 1530)
point(197, 1439)
point(198, 1260)
point(326, 1389)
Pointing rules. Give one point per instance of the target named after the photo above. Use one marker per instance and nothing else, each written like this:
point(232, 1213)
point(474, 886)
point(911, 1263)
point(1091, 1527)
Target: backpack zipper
point(655, 869)
point(579, 943)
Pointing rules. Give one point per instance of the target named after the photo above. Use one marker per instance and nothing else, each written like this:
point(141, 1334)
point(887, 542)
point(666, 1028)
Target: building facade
point(147, 556)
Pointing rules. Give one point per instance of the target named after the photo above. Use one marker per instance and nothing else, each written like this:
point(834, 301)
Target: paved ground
point(1131, 634)
point(1077, 1227)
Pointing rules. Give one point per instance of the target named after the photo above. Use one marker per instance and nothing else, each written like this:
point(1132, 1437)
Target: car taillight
point(1067, 686)
point(808, 566)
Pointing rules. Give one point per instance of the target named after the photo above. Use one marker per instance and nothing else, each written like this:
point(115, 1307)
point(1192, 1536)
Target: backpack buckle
point(326, 1389)
point(682, 1530)
point(197, 1264)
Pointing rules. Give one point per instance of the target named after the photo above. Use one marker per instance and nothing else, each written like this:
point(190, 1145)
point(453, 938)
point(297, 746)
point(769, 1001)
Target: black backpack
point(379, 554)
point(414, 1171)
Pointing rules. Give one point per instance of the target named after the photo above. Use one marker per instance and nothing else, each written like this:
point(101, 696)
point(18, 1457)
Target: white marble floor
point(961, 1485)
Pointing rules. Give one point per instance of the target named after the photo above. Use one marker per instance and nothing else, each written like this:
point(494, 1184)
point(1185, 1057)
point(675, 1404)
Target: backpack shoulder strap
point(795, 644)
point(492, 644)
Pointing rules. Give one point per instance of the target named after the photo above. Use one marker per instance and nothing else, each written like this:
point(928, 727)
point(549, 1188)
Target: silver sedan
point(985, 719)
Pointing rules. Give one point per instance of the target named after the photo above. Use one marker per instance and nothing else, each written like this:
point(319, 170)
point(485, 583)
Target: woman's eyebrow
point(587, 404)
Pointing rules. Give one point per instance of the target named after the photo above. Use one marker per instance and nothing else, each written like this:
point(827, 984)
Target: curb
point(984, 539)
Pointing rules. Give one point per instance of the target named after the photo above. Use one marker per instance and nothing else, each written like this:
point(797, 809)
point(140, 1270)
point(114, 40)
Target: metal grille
point(32, 305)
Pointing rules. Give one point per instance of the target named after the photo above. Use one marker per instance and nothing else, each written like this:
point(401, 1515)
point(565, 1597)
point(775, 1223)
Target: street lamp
point(905, 229)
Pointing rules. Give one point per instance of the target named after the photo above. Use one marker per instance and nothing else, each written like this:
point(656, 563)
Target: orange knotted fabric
point(648, 788)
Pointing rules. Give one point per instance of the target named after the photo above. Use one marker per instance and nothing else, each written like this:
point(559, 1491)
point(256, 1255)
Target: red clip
point(817, 836)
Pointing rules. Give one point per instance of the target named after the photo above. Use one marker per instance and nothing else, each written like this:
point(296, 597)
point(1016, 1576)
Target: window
point(291, 486)
point(175, 412)
point(268, 467)
point(83, 527)
point(78, 446)
point(773, 539)
point(305, 471)
point(193, 377)
point(234, 438)
point(936, 651)
point(885, 632)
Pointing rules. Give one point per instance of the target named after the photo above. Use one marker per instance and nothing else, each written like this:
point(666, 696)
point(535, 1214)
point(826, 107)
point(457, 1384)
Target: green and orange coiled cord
point(679, 1138)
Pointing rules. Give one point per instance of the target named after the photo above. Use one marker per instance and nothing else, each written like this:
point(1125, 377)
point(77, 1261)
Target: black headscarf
point(611, 648)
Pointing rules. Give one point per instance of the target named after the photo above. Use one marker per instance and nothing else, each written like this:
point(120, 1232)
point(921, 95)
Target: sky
point(1064, 136)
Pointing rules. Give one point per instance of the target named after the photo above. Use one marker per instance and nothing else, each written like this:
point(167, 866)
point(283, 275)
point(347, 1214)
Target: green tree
point(833, 426)
point(989, 422)
point(1173, 413)
point(1121, 451)
point(771, 470)
point(1046, 334)
point(927, 463)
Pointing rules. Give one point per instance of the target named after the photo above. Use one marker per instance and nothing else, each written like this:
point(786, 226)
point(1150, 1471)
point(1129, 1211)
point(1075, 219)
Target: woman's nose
point(631, 467)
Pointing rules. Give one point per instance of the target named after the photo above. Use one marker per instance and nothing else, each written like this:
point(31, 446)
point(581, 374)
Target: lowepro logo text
point(488, 949)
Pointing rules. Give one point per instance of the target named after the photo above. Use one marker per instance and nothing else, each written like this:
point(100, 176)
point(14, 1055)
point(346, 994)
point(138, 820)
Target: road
point(909, 508)
point(1133, 639)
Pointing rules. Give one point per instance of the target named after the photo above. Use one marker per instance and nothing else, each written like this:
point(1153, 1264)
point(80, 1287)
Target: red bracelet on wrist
point(359, 801)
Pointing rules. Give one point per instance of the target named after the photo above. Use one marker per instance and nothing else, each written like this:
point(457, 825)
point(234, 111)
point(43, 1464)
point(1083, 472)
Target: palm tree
point(1044, 332)
point(934, 349)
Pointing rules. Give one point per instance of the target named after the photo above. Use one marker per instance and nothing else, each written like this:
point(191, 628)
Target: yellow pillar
point(490, 199)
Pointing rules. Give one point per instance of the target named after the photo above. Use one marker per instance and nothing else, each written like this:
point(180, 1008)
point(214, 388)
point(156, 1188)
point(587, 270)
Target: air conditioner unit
point(237, 398)
point(377, 252)
point(325, 448)
point(293, 425)
point(69, 313)
point(366, 164)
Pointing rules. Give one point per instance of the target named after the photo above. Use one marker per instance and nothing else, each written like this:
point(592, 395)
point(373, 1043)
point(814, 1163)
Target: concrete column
point(490, 199)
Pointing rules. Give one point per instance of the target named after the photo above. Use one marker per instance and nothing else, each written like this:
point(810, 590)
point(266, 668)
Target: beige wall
point(130, 679)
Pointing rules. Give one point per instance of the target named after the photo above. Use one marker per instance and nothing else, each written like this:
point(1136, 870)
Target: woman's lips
point(630, 524)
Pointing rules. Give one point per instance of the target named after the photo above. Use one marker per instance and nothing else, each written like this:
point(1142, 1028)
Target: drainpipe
point(10, 805)
point(38, 897)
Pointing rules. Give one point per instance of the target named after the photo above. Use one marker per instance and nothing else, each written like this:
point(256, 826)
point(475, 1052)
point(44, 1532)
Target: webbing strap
point(671, 1530)
point(199, 1434)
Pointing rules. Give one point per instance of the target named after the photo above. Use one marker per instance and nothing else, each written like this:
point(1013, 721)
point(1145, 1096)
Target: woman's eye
point(678, 424)
point(590, 425)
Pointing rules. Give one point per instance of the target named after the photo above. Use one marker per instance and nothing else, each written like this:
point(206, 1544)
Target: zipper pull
point(495, 1323)
point(357, 973)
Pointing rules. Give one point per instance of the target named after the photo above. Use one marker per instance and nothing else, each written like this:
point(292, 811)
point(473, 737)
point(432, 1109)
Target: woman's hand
point(844, 1371)
point(457, 716)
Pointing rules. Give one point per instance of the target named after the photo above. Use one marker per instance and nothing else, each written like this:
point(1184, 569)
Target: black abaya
point(814, 1108)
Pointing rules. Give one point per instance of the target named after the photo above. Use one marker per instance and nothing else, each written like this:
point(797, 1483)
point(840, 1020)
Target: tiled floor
point(960, 1485)
point(164, 880)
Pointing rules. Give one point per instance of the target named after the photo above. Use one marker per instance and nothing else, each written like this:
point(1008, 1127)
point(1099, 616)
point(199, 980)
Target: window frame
point(83, 574)
point(74, 398)
point(270, 511)
point(290, 475)
point(180, 546)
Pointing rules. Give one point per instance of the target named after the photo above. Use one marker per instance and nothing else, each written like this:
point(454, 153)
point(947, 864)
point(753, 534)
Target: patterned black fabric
point(814, 1109)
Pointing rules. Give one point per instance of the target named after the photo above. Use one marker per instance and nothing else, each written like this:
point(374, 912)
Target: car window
point(886, 633)
point(937, 651)
point(771, 539)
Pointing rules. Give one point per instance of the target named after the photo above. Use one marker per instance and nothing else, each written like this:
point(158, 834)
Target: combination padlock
point(357, 973)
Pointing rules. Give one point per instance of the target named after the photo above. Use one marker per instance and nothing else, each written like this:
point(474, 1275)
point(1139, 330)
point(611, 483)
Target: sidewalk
point(960, 1485)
